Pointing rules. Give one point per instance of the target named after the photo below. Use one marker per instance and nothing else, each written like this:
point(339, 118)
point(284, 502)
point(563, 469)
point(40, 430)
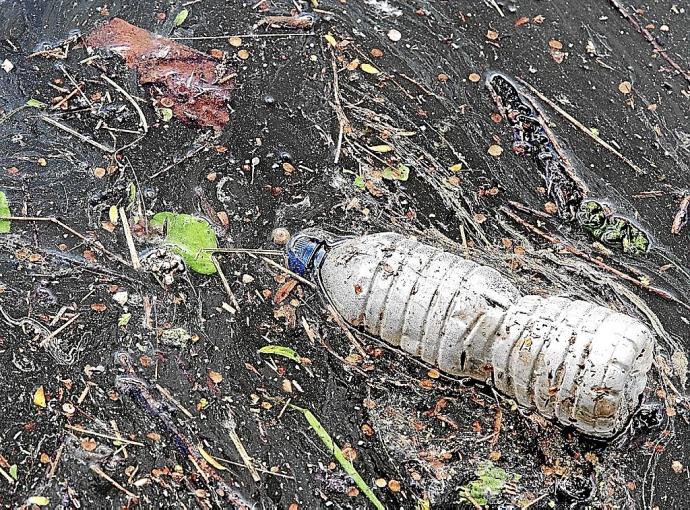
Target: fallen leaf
point(181, 17)
point(4, 212)
point(188, 236)
point(381, 148)
point(284, 291)
point(495, 150)
point(88, 444)
point(279, 350)
point(40, 397)
point(330, 39)
point(555, 44)
point(215, 376)
point(208, 458)
point(38, 501)
point(369, 69)
point(35, 103)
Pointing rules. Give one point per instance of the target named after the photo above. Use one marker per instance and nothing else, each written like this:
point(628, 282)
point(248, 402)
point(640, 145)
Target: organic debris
point(189, 237)
point(194, 85)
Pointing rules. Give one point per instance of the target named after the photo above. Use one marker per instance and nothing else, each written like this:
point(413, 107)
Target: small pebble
point(121, 297)
point(281, 236)
point(394, 35)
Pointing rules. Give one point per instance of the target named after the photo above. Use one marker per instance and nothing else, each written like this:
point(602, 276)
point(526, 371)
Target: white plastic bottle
point(579, 363)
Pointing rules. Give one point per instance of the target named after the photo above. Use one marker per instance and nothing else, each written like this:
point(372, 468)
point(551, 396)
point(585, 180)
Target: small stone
point(394, 485)
point(555, 44)
point(380, 482)
point(121, 297)
point(394, 35)
point(7, 66)
point(495, 150)
point(677, 467)
point(99, 172)
point(625, 87)
point(247, 278)
point(280, 236)
point(235, 41)
point(243, 54)
point(474, 77)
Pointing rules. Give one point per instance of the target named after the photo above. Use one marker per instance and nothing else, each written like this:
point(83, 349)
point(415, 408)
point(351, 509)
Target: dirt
point(421, 437)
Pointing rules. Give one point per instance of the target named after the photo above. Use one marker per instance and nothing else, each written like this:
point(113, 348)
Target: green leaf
point(340, 457)
point(279, 350)
point(35, 103)
point(166, 114)
point(113, 215)
point(132, 192)
point(359, 182)
point(402, 173)
point(13, 471)
point(188, 237)
point(124, 319)
point(181, 17)
point(4, 212)
point(489, 483)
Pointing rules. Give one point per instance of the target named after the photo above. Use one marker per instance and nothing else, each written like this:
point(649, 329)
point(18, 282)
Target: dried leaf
point(208, 458)
point(381, 148)
point(40, 397)
point(495, 150)
point(216, 377)
point(330, 39)
point(456, 167)
point(284, 291)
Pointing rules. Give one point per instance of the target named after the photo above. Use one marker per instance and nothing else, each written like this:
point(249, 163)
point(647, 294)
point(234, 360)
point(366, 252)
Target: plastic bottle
point(579, 363)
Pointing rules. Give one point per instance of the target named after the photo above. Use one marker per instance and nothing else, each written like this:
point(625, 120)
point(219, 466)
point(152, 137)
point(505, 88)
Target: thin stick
point(51, 219)
point(291, 273)
point(339, 320)
point(260, 470)
point(344, 124)
point(244, 36)
point(175, 163)
point(113, 424)
point(77, 134)
point(226, 284)
point(650, 38)
point(681, 217)
point(55, 463)
point(582, 127)
point(59, 330)
point(67, 97)
point(104, 436)
point(495, 6)
point(250, 251)
point(99, 472)
point(136, 263)
point(246, 459)
point(578, 253)
point(172, 399)
point(142, 119)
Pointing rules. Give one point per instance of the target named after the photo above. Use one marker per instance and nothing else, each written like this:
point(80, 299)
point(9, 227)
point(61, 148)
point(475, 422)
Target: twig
point(136, 263)
point(55, 463)
point(582, 127)
point(681, 217)
point(67, 97)
point(59, 330)
point(172, 399)
point(534, 501)
point(51, 219)
point(246, 459)
point(77, 134)
point(249, 251)
point(142, 118)
point(493, 4)
point(291, 273)
point(177, 162)
point(344, 124)
point(224, 281)
point(99, 472)
point(104, 436)
point(650, 38)
point(339, 320)
point(578, 253)
point(243, 36)
point(113, 424)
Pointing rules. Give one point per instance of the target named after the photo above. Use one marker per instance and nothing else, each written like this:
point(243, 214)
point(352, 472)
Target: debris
point(279, 350)
point(680, 220)
point(175, 337)
point(339, 456)
point(369, 69)
point(394, 35)
point(4, 213)
point(7, 66)
point(39, 399)
point(174, 70)
point(280, 236)
point(489, 483)
point(303, 20)
point(181, 17)
point(188, 237)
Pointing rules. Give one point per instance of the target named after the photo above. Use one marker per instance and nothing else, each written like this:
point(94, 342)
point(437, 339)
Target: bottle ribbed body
point(579, 363)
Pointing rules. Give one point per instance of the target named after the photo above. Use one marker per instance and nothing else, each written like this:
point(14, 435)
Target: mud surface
point(419, 436)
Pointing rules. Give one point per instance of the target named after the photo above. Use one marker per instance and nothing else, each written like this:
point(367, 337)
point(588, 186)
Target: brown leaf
point(284, 291)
